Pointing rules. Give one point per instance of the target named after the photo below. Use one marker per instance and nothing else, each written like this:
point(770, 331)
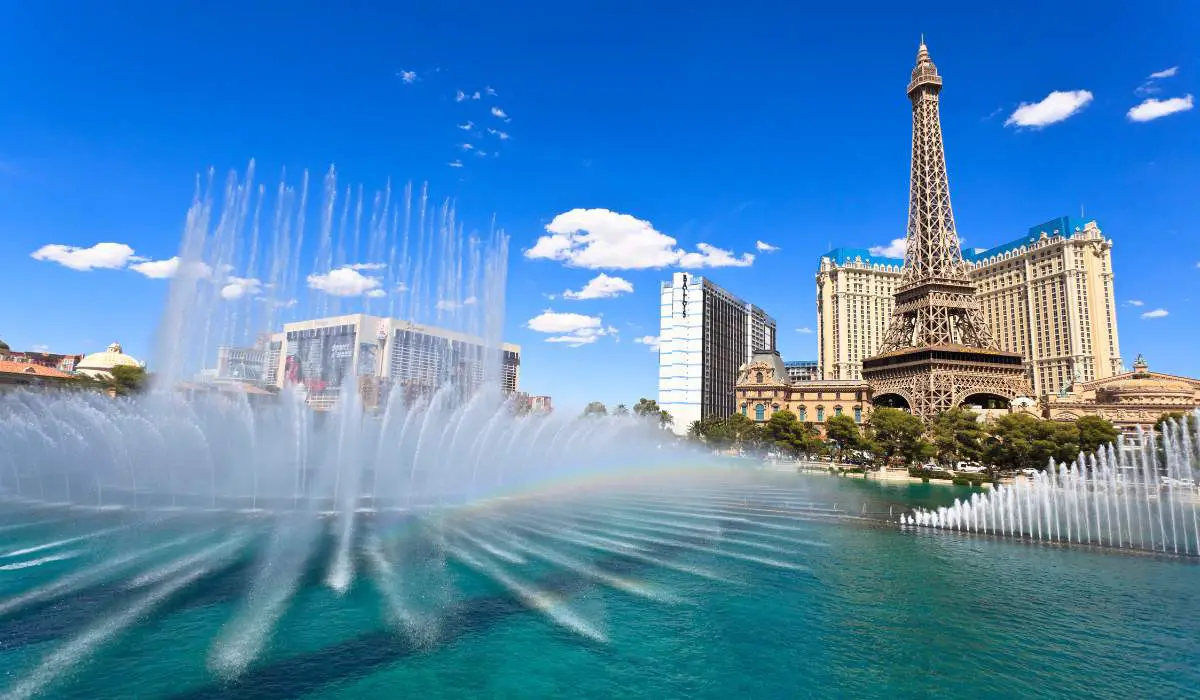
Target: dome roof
point(103, 362)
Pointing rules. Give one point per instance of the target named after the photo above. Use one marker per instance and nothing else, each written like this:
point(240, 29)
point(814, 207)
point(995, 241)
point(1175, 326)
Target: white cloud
point(468, 126)
point(895, 249)
point(1165, 73)
point(451, 304)
point(102, 256)
point(1056, 107)
point(488, 89)
point(499, 113)
point(601, 287)
point(806, 330)
point(401, 288)
point(344, 282)
point(600, 238)
point(1157, 313)
point(157, 269)
point(376, 293)
point(475, 95)
point(570, 329)
point(455, 164)
point(650, 341)
point(39, 347)
point(503, 136)
point(1154, 108)
point(459, 95)
point(765, 247)
point(1136, 302)
point(238, 287)
point(481, 154)
point(367, 266)
point(466, 146)
point(408, 76)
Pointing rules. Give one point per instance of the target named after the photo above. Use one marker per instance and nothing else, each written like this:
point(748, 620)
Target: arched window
point(820, 414)
point(837, 410)
point(760, 412)
point(758, 377)
point(803, 414)
point(857, 414)
point(745, 410)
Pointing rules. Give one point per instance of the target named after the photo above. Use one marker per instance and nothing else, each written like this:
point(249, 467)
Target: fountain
point(1141, 497)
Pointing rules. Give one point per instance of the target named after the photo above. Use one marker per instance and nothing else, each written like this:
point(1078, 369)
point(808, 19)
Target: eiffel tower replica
point(938, 350)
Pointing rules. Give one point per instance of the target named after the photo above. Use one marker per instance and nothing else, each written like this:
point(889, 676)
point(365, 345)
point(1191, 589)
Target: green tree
point(1176, 416)
point(1023, 441)
point(695, 431)
point(128, 379)
point(898, 434)
point(646, 407)
point(1095, 432)
point(665, 420)
point(843, 432)
point(957, 435)
point(620, 410)
point(595, 408)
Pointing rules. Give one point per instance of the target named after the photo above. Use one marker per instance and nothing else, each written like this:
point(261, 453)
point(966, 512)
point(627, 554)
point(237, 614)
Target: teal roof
point(1062, 225)
point(842, 256)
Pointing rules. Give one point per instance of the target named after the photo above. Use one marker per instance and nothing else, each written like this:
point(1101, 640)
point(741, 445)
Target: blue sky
point(725, 125)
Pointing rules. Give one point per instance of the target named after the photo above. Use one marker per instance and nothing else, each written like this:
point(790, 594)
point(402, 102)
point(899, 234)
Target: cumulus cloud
point(459, 95)
point(408, 76)
point(452, 304)
point(806, 330)
point(650, 341)
point(102, 256)
point(1056, 107)
point(765, 247)
point(489, 90)
point(572, 330)
point(600, 238)
point(466, 146)
point(344, 282)
point(234, 288)
point(601, 286)
point(468, 126)
point(895, 249)
point(455, 164)
point(498, 134)
point(499, 113)
point(1154, 108)
point(376, 293)
point(1136, 302)
point(1157, 313)
point(157, 269)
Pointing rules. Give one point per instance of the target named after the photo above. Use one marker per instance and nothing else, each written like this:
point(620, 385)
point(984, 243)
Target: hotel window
point(803, 414)
point(745, 410)
point(820, 414)
point(759, 412)
point(857, 414)
point(758, 377)
point(837, 410)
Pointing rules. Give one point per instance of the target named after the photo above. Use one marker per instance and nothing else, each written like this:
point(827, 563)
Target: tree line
point(645, 408)
point(894, 437)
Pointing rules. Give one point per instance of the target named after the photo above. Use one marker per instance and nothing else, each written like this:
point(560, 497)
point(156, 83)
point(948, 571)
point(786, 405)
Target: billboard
point(368, 359)
point(319, 358)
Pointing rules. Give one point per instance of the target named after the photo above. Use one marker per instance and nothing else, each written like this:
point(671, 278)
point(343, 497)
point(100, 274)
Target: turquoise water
point(863, 610)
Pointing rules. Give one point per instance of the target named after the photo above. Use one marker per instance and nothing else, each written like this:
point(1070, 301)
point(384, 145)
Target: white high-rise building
point(705, 335)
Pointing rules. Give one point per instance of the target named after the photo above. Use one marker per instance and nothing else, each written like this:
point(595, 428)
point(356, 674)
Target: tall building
point(705, 335)
point(938, 351)
point(802, 370)
point(1047, 295)
point(321, 354)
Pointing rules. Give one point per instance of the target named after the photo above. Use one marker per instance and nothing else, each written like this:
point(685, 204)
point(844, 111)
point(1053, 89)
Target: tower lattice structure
point(938, 350)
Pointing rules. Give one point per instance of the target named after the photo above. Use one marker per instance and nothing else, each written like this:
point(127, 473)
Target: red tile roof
point(25, 368)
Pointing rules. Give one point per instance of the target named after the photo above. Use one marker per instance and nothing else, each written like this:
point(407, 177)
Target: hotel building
point(1047, 295)
point(321, 354)
point(705, 335)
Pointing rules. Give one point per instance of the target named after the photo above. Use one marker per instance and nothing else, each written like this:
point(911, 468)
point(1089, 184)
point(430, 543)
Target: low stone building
point(763, 388)
point(1130, 401)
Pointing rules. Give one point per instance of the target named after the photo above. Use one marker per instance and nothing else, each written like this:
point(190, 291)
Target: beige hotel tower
point(1047, 295)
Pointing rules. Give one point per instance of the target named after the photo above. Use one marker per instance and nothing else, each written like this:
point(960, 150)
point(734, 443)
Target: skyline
point(739, 171)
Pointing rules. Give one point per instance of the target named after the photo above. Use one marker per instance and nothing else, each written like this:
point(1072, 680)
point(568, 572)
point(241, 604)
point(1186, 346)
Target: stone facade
point(1130, 401)
point(763, 388)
